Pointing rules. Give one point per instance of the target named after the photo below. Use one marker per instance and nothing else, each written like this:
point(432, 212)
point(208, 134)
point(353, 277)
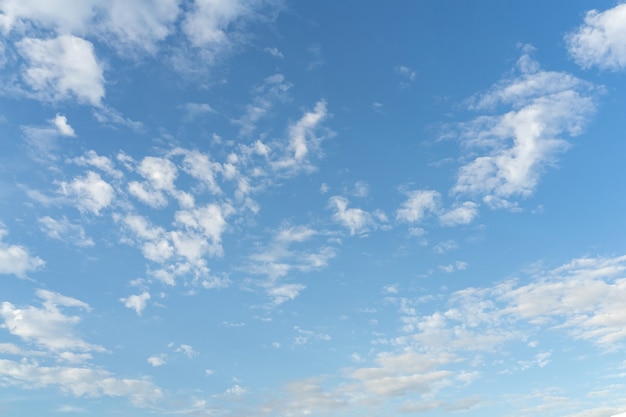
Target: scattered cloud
point(47, 327)
point(516, 147)
point(601, 40)
point(136, 302)
point(354, 219)
point(16, 259)
point(89, 193)
point(418, 205)
point(64, 230)
point(464, 213)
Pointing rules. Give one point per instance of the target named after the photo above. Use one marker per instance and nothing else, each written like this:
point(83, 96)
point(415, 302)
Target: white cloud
point(15, 259)
point(284, 292)
point(159, 174)
point(47, 327)
point(273, 89)
point(210, 221)
point(128, 26)
point(462, 214)
point(89, 193)
point(303, 139)
point(79, 381)
point(158, 360)
point(582, 299)
point(138, 25)
point(201, 167)
point(361, 189)
point(186, 350)
point(63, 67)
point(137, 302)
point(64, 230)
point(418, 205)
point(106, 165)
point(456, 266)
point(236, 390)
point(274, 52)
point(601, 40)
point(516, 147)
point(62, 126)
point(446, 246)
point(356, 220)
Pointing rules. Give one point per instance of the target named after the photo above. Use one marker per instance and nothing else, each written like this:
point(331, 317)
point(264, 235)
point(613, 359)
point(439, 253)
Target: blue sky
point(275, 208)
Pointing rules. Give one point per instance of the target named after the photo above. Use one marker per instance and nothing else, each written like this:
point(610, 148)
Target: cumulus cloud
point(60, 122)
point(461, 214)
point(90, 193)
point(103, 163)
point(582, 299)
point(158, 360)
point(129, 27)
point(601, 40)
point(136, 302)
point(47, 326)
point(356, 220)
point(63, 67)
point(16, 259)
point(418, 205)
point(513, 149)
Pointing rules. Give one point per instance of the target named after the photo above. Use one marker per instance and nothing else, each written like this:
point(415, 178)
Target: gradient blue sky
point(322, 208)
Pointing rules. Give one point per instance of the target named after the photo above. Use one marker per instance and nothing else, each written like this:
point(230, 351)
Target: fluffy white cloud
point(90, 193)
point(462, 214)
point(48, 327)
point(62, 126)
point(139, 24)
point(601, 40)
point(63, 67)
point(418, 205)
point(356, 220)
point(200, 166)
point(62, 15)
point(158, 360)
point(129, 26)
point(515, 147)
point(15, 259)
point(209, 221)
point(159, 174)
point(136, 302)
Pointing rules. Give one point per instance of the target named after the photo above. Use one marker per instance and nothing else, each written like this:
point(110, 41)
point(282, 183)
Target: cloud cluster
point(54, 335)
point(65, 65)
